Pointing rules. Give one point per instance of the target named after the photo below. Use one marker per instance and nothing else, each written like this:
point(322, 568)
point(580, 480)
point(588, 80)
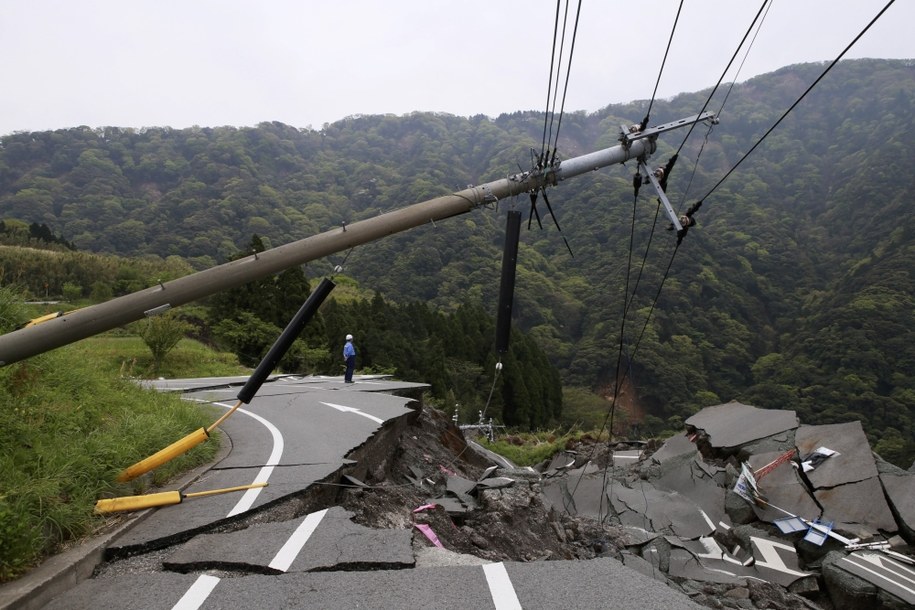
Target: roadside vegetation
point(69, 424)
point(531, 448)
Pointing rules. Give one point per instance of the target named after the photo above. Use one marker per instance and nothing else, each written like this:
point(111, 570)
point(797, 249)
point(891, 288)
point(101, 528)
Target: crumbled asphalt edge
point(513, 524)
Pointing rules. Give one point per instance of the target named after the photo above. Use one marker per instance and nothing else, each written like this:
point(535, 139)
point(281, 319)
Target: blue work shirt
point(349, 350)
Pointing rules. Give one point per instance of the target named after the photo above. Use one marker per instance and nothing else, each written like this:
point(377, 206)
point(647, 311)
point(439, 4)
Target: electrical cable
point(566, 85)
point(549, 89)
point(661, 71)
point(798, 101)
point(721, 78)
point(744, 60)
point(711, 126)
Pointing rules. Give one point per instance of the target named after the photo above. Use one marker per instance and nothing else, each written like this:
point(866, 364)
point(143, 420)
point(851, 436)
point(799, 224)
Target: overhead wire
point(566, 85)
point(661, 71)
point(798, 100)
point(629, 298)
point(711, 126)
point(549, 89)
point(721, 78)
point(828, 68)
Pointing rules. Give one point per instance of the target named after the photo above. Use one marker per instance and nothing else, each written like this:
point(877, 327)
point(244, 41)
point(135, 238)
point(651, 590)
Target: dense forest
point(794, 291)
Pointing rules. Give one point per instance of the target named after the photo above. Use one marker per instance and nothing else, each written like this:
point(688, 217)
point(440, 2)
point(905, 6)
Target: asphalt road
point(234, 551)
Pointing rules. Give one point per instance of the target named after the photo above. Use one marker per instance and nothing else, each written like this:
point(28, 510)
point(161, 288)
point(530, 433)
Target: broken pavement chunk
point(859, 508)
point(900, 489)
point(866, 579)
point(731, 425)
point(855, 462)
point(785, 493)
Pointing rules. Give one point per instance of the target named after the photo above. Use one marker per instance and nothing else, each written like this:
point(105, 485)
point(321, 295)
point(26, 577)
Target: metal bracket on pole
point(630, 136)
point(657, 187)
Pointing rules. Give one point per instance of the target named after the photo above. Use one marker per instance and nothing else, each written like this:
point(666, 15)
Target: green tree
point(161, 334)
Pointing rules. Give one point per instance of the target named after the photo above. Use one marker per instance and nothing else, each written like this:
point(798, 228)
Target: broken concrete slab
point(731, 425)
point(774, 560)
point(495, 483)
point(866, 579)
point(637, 563)
point(659, 510)
point(900, 490)
point(784, 490)
point(855, 461)
point(578, 493)
point(683, 564)
point(459, 486)
point(858, 508)
point(334, 543)
point(559, 463)
point(697, 481)
point(456, 505)
point(676, 445)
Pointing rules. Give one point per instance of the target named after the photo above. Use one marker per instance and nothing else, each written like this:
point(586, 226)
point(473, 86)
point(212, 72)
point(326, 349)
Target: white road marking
point(263, 476)
point(768, 549)
point(352, 410)
point(858, 560)
point(198, 593)
point(203, 586)
point(500, 587)
point(293, 546)
point(707, 520)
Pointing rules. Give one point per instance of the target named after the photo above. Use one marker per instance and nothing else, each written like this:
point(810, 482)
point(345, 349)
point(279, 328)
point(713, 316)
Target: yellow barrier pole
point(174, 450)
point(165, 498)
point(169, 453)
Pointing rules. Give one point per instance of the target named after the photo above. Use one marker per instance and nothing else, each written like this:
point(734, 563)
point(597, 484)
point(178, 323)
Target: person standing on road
point(349, 356)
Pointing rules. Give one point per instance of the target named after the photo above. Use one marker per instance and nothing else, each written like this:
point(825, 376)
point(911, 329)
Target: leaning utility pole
point(81, 323)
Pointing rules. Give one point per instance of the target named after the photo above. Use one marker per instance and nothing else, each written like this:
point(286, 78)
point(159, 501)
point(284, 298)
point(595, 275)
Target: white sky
point(141, 63)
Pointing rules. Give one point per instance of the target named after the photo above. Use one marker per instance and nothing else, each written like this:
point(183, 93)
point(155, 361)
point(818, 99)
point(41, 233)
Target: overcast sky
point(141, 63)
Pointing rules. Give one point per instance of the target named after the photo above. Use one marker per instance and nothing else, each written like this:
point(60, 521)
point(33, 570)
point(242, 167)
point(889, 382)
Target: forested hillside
point(795, 290)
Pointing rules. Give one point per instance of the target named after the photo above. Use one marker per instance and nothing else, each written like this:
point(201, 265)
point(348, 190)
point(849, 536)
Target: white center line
point(198, 593)
point(500, 587)
point(204, 585)
point(293, 546)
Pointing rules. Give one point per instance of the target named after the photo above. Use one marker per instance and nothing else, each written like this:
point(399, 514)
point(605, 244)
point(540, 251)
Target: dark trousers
point(350, 367)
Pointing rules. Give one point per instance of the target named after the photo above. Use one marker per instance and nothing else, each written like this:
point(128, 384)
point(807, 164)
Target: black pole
point(507, 287)
point(289, 334)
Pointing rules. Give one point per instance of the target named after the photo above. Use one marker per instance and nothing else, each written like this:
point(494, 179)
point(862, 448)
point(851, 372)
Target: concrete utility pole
point(81, 323)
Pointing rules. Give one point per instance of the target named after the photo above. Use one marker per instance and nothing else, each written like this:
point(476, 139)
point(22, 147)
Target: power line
point(798, 101)
point(661, 71)
point(728, 67)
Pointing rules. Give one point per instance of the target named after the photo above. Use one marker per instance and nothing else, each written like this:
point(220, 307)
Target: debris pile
point(747, 508)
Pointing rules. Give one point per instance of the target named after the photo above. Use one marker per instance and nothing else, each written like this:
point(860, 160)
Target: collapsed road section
point(746, 508)
point(355, 514)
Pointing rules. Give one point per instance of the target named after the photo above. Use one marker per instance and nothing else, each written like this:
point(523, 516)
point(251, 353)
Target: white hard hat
point(349, 337)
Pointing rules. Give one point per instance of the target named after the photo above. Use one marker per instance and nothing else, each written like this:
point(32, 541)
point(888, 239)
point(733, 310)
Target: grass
point(530, 448)
point(123, 354)
point(70, 423)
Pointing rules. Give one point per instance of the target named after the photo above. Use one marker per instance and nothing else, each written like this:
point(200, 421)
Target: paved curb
point(66, 570)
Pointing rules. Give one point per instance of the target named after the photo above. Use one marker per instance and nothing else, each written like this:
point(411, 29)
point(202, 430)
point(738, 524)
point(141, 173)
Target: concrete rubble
point(715, 506)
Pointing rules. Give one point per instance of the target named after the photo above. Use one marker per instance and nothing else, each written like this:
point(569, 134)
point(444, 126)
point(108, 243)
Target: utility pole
point(88, 321)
